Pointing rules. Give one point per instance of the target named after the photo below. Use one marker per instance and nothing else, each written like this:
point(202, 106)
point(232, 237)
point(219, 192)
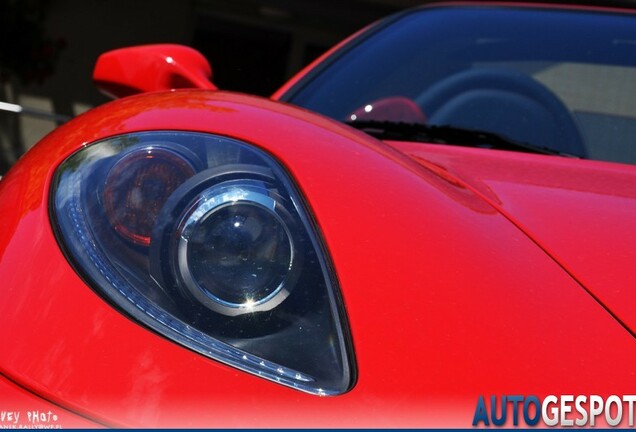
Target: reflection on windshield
point(551, 78)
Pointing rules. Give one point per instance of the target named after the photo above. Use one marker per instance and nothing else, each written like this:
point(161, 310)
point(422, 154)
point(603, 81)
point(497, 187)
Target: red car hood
point(582, 213)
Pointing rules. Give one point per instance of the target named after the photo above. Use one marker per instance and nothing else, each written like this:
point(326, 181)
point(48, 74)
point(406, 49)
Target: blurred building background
point(49, 48)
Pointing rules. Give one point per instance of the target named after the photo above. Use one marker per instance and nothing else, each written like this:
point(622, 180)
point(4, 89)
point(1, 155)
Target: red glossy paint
point(147, 68)
point(581, 212)
point(448, 294)
point(23, 408)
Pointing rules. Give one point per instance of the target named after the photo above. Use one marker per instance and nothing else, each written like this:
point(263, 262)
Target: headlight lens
point(206, 240)
point(234, 253)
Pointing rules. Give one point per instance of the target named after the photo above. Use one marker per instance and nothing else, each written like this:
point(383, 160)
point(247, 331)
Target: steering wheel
point(505, 102)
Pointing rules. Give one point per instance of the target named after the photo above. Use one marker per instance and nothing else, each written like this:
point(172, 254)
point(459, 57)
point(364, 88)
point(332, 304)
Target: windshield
point(552, 78)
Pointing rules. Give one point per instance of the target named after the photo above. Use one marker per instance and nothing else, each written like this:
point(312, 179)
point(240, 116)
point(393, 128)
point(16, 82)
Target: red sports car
point(432, 225)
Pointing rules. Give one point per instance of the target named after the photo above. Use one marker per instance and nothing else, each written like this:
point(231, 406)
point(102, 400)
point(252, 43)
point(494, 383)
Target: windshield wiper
point(449, 135)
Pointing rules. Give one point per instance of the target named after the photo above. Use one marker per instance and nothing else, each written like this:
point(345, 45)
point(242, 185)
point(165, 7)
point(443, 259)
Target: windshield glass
point(555, 78)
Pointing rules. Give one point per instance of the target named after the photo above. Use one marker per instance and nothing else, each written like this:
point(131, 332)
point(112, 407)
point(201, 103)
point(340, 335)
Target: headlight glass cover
point(206, 240)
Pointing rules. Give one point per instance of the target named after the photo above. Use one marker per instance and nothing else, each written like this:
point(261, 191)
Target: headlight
point(206, 240)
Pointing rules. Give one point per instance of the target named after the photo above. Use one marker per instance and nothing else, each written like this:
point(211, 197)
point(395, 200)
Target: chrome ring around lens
point(235, 252)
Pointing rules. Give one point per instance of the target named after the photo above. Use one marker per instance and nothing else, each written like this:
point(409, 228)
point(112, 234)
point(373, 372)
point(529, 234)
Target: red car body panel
point(27, 408)
point(157, 67)
point(581, 212)
point(447, 298)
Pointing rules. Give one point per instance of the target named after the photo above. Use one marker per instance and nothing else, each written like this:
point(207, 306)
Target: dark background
point(49, 47)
